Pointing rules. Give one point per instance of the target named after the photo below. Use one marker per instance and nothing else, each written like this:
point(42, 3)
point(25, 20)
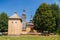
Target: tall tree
point(43, 18)
point(55, 10)
point(3, 21)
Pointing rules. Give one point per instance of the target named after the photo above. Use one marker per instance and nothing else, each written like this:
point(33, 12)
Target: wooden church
point(18, 25)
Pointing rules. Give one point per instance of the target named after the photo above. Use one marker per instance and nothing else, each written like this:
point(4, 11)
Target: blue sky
point(10, 6)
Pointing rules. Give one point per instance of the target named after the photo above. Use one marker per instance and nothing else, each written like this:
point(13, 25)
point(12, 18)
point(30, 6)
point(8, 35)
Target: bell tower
point(23, 20)
point(14, 25)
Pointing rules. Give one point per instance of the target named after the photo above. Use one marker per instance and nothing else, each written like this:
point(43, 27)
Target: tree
point(55, 11)
point(3, 21)
point(58, 28)
point(43, 19)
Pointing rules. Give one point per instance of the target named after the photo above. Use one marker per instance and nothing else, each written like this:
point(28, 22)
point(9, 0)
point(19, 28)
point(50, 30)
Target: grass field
point(30, 37)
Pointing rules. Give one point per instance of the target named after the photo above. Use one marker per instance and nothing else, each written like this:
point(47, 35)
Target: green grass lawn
point(30, 37)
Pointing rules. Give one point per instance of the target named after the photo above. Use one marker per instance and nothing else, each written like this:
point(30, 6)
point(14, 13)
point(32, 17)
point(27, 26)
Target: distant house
point(18, 26)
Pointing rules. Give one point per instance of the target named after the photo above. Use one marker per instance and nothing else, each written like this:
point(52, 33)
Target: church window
point(12, 22)
point(15, 22)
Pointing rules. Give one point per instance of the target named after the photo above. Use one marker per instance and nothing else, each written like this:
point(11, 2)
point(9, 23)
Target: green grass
point(30, 37)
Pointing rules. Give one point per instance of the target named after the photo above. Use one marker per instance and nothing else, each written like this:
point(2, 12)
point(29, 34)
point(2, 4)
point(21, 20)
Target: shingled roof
point(15, 16)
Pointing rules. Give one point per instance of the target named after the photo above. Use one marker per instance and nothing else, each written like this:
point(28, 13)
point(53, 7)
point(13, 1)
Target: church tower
point(30, 25)
point(14, 25)
point(31, 19)
point(23, 21)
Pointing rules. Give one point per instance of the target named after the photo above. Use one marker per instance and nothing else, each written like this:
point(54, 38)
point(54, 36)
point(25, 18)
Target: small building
point(14, 25)
point(18, 26)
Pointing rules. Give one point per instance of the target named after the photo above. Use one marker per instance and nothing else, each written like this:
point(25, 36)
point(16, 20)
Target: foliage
point(55, 11)
point(3, 21)
point(43, 18)
point(58, 28)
